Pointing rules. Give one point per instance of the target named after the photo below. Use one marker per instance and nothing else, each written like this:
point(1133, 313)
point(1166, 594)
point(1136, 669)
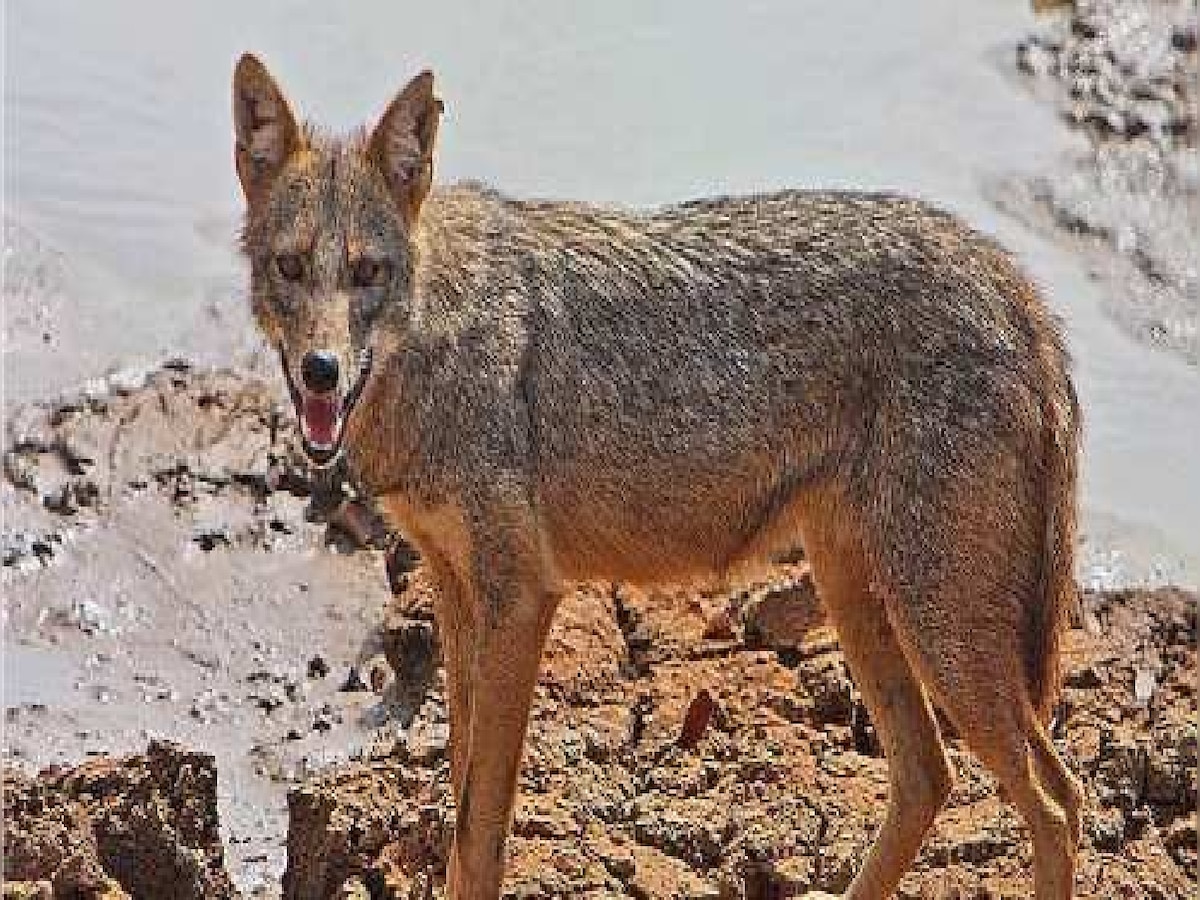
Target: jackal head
point(329, 234)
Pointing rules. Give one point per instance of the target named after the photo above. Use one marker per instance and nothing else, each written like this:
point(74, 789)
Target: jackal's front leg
point(455, 617)
point(512, 626)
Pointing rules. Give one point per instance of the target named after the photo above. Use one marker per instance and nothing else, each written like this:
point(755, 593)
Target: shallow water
point(122, 206)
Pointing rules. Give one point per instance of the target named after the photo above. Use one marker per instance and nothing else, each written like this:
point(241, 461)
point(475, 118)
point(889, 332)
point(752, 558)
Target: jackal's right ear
point(402, 144)
point(265, 130)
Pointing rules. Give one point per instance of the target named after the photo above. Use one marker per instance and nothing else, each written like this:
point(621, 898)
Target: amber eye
point(367, 272)
point(290, 266)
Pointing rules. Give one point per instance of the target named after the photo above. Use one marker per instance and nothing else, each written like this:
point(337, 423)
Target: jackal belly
point(679, 519)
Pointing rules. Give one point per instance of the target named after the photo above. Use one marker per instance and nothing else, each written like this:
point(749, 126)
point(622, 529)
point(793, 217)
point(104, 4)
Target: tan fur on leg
point(919, 772)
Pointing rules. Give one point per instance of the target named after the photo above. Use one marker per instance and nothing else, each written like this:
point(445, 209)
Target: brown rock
point(719, 627)
point(82, 876)
point(827, 681)
point(658, 875)
point(410, 647)
point(378, 821)
point(780, 619)
point(142, 825)
point(791, 877)
point(699, 714)
point(408, 635)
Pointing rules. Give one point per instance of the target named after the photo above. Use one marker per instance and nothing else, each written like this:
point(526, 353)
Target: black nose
point(319, 371)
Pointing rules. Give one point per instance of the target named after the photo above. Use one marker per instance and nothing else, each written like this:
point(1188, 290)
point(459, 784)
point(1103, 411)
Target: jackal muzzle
point(321, 411)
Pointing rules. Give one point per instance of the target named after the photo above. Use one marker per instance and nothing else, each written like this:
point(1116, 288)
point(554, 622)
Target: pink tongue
point(320, 415)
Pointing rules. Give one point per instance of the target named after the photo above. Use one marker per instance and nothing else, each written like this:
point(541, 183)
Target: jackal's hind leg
point(1053, 823)
point(1062, 785)
point(919, 772)
point(964, 638)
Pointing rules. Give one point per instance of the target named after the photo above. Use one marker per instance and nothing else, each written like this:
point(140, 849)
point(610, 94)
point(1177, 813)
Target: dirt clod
point(699, 714)
point(142, 826)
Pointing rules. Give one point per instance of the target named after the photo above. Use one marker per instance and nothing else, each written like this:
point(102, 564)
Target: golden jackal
point(541, 393)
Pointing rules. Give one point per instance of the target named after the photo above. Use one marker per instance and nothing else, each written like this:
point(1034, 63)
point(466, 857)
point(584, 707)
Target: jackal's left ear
point(402, 144)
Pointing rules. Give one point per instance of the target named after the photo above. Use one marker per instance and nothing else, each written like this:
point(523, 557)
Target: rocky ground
point(1125, 74)
point(170, 575)
point(689, 746)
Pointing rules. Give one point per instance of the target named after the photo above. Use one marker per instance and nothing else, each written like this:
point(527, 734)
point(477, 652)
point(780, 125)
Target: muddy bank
point(671, 755)
point(171, 570)
point(168, 576)
point(1126, 75)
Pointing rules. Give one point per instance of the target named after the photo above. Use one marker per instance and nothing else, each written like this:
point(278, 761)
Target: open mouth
point(323, 414)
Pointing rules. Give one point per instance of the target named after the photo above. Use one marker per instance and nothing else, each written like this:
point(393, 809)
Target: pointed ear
point(265, 130)
point(402, 144)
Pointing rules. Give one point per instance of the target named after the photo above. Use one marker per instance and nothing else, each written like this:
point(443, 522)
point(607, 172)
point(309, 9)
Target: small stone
point(28, 890)
point(791, 877)
point(410, 647)
point(269, 703)
point(61, 501)
point(427, 743)
point(1181, 835)
point(1168, 784)
point(317, 667)
point(353, 682)
point(719, 627)
point(1144, 684)
point(211, 538)
point(354, 889)
point(1107, 829)
point(827, 681)
point(1184, 39)
point(1179, 126)
point(22, 471)
point(1137, 823)
point(379, 678)
point(43, 551)
point(1082, 28)
point(781, 619)
point(834, 868)
point(88, 616)
point(619, 862)
point(1086, 678)
point(95, 388)
point(699, 714)
point(294, 691)
point(126, 381)
point(1034, 60)
point(1126, 239)
point(401, 560)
